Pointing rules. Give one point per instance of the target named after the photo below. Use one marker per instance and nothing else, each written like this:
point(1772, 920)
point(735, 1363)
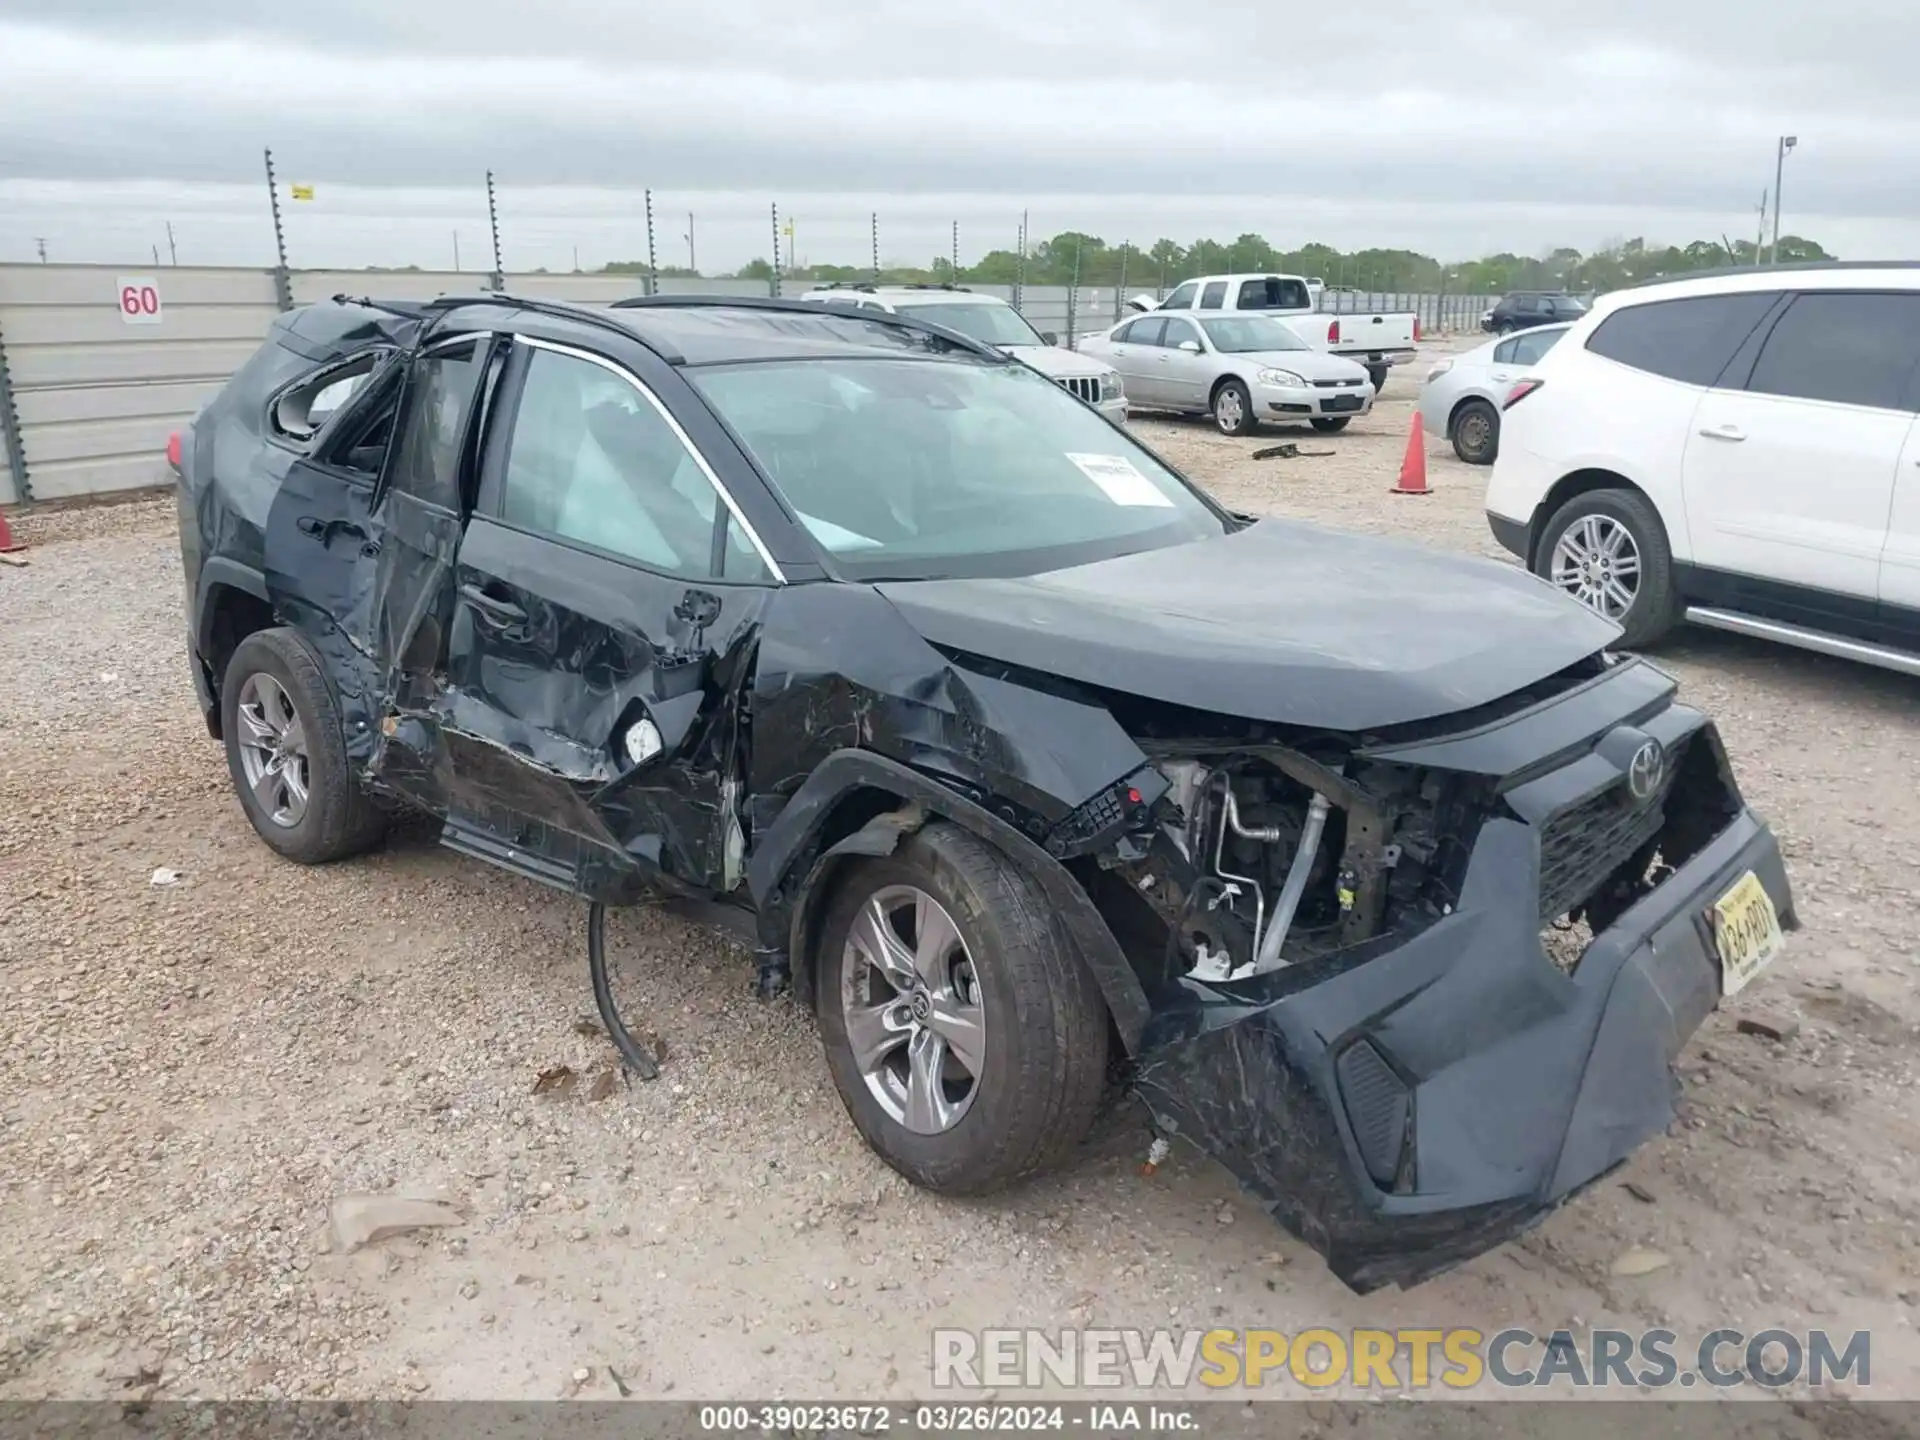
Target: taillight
point(1520, 392)
point(173, 450)
point(1333, 333)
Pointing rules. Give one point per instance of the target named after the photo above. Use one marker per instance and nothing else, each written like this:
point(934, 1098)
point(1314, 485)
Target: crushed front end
point(1415, 989)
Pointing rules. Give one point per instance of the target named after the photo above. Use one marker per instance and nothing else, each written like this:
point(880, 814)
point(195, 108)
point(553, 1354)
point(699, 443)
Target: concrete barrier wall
point(97, 391)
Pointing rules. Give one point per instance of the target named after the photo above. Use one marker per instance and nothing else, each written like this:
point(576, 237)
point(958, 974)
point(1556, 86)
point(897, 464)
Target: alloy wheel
point(1597, 561)
point(273, 750)
point(1227, 412)
point(914, 1012)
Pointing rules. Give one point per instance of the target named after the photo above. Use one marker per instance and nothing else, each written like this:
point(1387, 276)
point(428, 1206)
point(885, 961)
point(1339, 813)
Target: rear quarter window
point(1688, 340)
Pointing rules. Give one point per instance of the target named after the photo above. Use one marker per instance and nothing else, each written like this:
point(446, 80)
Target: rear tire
point(1578, 553)
point(1331, 424)
point(1233, 408)
point(287, 754)
point(1476, 433)
point(1041, 1037)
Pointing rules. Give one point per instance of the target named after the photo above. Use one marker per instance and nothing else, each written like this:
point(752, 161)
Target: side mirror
point(1192, 347)
point(1050, 337)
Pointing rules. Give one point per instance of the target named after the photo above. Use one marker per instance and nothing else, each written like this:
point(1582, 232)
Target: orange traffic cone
point(1413, 465)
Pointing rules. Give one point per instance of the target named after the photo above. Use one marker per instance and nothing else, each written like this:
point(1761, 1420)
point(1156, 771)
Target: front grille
point(1584, 843)
point(1083, 387)
point(1333, 384)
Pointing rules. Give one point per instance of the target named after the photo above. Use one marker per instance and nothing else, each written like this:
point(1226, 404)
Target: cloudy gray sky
point(1452, 128)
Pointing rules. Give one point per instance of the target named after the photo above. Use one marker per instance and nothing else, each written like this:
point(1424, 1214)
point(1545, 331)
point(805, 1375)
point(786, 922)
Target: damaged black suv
point(1369, 868)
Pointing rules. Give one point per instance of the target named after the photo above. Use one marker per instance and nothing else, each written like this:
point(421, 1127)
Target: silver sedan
point(1463, 397)
point(1241, 369)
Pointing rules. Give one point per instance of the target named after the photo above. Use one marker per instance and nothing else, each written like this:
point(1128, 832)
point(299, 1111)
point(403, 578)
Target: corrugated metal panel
point(98, 475)
point(310, 286)
point(134, 361)
point(98, 396)
point(97, 286)
point(577, 289)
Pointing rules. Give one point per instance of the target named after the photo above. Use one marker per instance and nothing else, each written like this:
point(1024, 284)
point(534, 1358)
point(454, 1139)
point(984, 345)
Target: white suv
point(1740, 450)
point(989, 318)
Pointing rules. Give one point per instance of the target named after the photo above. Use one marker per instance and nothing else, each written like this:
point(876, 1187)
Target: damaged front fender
point(788, 888)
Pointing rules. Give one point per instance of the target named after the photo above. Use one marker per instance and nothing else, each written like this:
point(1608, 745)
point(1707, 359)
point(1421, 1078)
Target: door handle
point(501, 612)
point(324, 530)
point(1501, 375)
point(1723, 432)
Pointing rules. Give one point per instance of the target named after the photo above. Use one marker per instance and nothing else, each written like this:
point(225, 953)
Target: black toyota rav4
point(1368, 868)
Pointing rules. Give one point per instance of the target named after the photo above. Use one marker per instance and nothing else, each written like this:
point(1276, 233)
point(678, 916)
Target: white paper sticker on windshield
point(1116, 475)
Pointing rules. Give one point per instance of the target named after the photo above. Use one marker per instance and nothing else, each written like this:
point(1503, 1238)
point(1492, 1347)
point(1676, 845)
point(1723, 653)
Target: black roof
point(715, 330)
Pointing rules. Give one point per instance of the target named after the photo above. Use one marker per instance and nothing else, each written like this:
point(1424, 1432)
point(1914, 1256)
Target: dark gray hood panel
point(1284, 622)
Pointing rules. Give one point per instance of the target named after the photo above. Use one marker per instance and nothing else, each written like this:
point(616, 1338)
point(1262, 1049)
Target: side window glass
point(1253, 295)
point(305, 407)
point(1212, 297)
point(1147, 332)
point(1178, 331)
point(1182, 297)
point(742, 563)
point(1855, 349)
point(427, 464)
point(1688, 340)
point(592, 460)
point(1504, 352)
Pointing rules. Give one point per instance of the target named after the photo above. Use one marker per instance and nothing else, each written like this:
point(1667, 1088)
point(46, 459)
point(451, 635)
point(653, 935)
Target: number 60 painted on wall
point(139, 297)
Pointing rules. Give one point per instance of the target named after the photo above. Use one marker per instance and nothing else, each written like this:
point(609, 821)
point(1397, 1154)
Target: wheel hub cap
point(1598, 563)
point(914, 1014)
point(273, 750)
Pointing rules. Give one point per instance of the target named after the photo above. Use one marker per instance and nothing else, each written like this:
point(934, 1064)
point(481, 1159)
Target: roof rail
point(923, 285)
point(866, 285)
point(801, 307)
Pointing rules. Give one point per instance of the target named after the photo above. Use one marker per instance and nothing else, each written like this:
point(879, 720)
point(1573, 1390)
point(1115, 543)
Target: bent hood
point(1283, 622)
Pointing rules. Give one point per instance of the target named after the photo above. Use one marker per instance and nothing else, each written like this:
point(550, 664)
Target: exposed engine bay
point(1263, 857)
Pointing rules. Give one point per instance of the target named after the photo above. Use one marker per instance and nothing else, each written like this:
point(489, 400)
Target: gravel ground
point(192, 1072)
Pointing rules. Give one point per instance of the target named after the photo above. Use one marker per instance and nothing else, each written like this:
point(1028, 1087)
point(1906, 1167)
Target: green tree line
point(1073, 254)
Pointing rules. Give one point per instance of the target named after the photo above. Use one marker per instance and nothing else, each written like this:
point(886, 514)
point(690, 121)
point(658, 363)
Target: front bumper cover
point(1312, 401)
point(1517, 1084)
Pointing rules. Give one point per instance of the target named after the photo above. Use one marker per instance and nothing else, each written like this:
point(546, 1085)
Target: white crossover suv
point(1739, 450)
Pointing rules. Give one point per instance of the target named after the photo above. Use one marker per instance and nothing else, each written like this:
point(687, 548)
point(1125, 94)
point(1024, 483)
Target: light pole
point(692, 263)
point(1787, 142)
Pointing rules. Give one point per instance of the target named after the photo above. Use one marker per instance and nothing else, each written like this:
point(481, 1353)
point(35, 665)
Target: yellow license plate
point(1746, 932)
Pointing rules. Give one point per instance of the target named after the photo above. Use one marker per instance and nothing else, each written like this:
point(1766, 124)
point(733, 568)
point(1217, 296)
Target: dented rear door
point(600, 639)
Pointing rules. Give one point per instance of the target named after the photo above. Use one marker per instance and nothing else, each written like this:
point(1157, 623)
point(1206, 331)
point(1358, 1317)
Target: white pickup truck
point(1378, 342)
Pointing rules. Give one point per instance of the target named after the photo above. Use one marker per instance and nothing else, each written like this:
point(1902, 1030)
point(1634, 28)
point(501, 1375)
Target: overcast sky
point(1452, 128)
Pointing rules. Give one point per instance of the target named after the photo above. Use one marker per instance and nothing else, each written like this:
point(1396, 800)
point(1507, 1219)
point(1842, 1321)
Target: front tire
point(287, 754)
point(1608, 550)
point(966, 1037)
point(1233, 409)
point(1476, 433)
point(1330, 424)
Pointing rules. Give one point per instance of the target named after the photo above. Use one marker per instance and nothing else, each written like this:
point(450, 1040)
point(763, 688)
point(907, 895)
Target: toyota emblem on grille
point(1645, 771)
